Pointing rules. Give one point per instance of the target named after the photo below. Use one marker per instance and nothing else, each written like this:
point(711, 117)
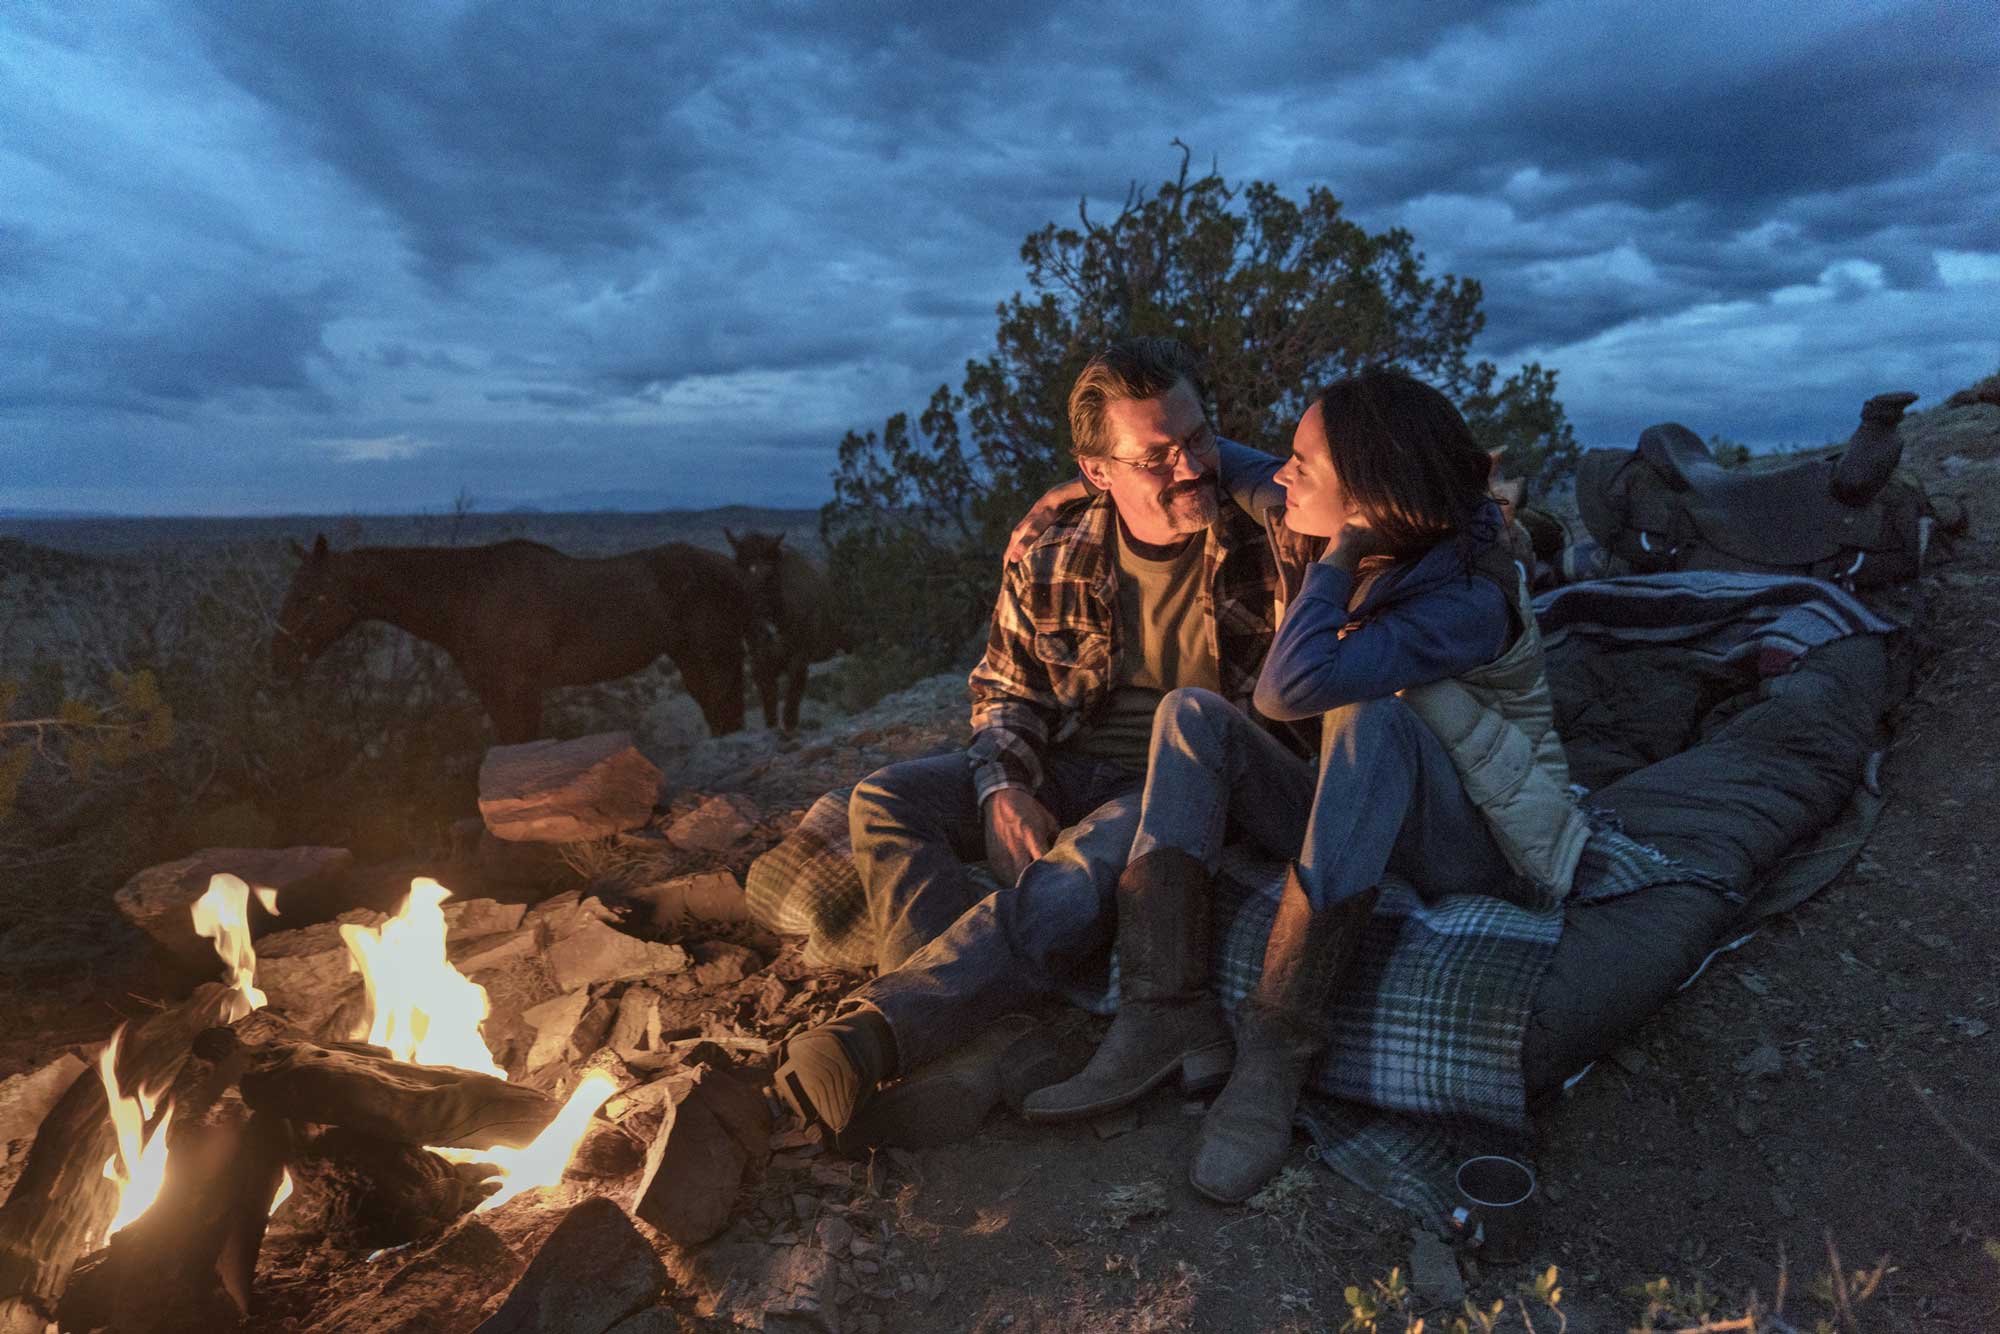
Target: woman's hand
point(1040, 515)
point(1354, 543)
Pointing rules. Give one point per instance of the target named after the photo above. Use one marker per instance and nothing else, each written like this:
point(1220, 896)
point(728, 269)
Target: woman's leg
point(1214, 772)
point(1388, 795)
point(1210, 767)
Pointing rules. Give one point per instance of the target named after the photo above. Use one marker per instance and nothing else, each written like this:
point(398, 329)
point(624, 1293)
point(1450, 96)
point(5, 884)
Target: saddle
point(1846, 516)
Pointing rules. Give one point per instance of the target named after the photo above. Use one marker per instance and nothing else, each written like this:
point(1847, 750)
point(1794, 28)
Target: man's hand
point(1039, 516)
point(1018, 830)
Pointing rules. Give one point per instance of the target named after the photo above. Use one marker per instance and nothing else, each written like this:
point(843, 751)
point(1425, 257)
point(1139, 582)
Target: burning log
point(63, 1201)
point(364, 1089)
point(364, 1193)
point(187, 1263)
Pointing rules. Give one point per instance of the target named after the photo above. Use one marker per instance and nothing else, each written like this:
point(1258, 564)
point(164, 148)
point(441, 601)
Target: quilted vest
point(1497, 721)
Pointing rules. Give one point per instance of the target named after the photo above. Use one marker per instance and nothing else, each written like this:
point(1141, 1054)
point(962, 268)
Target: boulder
point(716, 1129)
point(160, 899)
point(717, 825)
point(563, 791)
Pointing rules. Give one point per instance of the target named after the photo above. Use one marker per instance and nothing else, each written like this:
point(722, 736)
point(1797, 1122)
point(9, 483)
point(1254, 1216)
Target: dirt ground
point(1834, 1082)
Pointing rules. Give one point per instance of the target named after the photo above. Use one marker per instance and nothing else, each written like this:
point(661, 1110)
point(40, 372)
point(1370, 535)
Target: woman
point(1409, 633)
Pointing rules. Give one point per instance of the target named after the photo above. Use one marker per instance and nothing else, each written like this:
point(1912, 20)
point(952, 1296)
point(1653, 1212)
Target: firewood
point(62, 1203)
point(364, 1193)
point(185, 1265)
point(354, 1086)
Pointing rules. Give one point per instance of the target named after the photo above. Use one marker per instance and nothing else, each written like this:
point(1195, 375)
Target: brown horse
point(792, 594)
point(518, 617)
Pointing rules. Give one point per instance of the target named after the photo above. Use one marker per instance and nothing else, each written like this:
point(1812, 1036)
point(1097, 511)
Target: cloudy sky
point(259, 256)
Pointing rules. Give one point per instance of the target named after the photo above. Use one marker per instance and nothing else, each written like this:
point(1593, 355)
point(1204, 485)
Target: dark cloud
point(165, 352)
point(586, 249)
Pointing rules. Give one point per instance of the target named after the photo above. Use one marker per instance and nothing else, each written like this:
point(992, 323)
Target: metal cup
point(1496, 1208)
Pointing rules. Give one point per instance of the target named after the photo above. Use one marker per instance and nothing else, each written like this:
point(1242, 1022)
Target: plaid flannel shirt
point(1053, 655)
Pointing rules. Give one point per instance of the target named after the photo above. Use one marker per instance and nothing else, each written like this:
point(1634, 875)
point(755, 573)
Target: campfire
point(202, 1123)
point(420, 1010)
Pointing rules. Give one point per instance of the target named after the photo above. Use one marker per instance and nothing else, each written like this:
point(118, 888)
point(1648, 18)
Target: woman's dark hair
point(1404, 456)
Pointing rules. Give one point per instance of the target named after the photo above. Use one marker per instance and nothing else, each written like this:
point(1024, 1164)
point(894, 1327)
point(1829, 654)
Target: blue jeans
point(917, 823)
point(1018, 944)
point(1386, 797)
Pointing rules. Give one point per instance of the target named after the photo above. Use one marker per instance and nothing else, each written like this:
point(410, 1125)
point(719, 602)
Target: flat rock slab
point(593, 951)
point(563, 791)
point(593, 1271)
point(717, 825)
point(554, 1023)
point(160, 899)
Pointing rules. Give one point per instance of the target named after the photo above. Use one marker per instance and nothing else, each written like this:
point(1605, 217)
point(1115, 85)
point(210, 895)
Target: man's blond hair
point(1133, 368)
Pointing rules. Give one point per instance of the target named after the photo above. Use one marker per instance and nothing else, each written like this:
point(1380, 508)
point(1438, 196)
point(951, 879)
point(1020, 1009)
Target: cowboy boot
point(1281, 1031)
point(1167, 1019)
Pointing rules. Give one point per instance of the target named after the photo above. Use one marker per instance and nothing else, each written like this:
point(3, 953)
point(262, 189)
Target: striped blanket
point(1428, 1036)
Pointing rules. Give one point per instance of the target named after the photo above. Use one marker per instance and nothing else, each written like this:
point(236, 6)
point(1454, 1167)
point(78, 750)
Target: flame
point(542, 1162)
point(424, 1010)
point(138, 1167)
point(419, 1006)
point(223, 916)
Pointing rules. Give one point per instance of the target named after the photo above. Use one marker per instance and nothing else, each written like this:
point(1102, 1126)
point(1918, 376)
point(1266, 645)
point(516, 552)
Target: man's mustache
point(1194, 486)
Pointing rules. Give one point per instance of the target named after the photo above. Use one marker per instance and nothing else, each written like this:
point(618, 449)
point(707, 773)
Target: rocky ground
point(1831, 1086)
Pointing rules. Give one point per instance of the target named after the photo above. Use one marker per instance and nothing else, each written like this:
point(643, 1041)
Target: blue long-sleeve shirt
point(1421, 620)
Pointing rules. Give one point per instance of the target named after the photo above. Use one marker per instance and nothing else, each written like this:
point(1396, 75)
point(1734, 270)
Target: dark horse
point(792, 594)
point(518, 617)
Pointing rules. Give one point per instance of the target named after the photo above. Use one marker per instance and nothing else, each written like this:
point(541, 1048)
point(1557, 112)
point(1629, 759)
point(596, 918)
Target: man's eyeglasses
point(1162, 462)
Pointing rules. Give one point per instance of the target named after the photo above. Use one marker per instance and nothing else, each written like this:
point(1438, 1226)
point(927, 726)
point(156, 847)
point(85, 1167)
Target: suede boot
point(946, 1100)
point(1168, 1021)
point(1281, 1032)
point(827, 1074)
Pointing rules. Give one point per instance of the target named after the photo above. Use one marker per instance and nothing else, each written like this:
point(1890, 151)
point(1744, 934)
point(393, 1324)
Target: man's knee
point(888, 800)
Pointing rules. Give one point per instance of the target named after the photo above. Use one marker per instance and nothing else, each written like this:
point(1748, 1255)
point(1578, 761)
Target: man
point(1152, 585)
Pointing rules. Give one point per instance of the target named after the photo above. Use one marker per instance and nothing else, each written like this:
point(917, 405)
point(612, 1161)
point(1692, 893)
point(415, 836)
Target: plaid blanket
point(1428, 1036)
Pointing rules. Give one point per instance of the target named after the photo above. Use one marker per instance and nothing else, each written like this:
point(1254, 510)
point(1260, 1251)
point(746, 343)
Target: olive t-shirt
point(1166, 644)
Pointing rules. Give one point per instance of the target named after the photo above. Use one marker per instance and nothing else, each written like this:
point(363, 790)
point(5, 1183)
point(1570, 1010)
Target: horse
point(518, 617)
point(793, 595)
